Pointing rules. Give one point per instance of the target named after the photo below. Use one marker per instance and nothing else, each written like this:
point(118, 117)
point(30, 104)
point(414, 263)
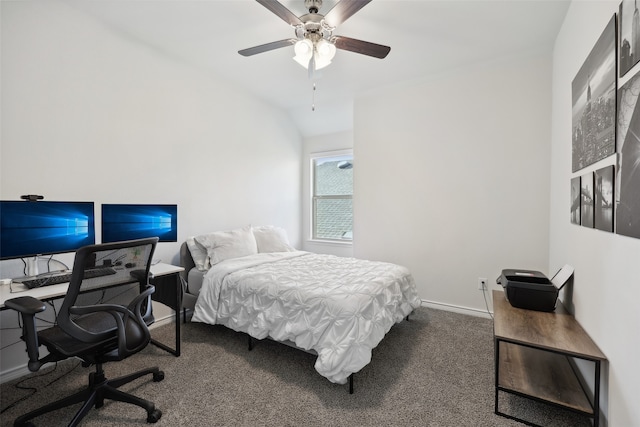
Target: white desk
point(165, 277)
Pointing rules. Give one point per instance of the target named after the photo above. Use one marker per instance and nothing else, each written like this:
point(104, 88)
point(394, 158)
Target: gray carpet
point(434, 370)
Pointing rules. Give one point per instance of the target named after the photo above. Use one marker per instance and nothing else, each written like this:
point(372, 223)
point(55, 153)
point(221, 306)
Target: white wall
point(319, 144)
point(606, 288)
point(452, 176)
point(88, 114)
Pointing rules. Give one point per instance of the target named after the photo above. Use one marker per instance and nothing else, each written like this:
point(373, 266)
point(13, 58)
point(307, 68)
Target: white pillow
point(198, 253)
point(223, 245)
point(272, 239)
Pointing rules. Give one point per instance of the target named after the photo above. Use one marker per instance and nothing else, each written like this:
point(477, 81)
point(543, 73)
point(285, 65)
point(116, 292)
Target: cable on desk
point(66, 267)
point(24, 264)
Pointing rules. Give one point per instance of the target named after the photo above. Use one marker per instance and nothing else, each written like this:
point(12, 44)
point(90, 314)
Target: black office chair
point(95, 328)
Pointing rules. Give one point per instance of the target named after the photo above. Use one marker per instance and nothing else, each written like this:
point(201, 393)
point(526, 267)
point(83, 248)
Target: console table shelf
point(533, 357)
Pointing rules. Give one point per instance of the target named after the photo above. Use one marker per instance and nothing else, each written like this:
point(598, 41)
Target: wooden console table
point(534, 353)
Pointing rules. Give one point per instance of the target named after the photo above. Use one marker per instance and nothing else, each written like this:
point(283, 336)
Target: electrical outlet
point(482, 284)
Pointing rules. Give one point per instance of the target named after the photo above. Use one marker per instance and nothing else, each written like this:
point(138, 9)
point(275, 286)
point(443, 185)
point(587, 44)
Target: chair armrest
point(136, 304)
point(128, 320)
point(28, 307)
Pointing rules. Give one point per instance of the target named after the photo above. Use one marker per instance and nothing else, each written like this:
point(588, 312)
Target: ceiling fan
point(315, 44)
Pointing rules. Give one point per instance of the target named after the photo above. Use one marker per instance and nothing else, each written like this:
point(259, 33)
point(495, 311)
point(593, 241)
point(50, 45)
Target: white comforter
point(339, 307)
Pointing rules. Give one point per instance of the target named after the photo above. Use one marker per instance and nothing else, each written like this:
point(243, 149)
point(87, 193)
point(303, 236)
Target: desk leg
point(174, 301)
point(596, 395)
point(496, 367)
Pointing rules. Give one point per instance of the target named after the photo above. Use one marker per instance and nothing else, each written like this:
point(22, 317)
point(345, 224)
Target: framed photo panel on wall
point(629, 35)
point(603, 189)
point(575, 200)
point(587, 202)
point(593, 93)
point(628, 181)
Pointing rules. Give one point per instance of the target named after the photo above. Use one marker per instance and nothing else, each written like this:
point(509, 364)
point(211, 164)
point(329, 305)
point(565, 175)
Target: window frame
point(313, 157)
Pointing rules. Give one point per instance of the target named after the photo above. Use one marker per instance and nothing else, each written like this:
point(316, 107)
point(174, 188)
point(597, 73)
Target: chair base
point(98, 390)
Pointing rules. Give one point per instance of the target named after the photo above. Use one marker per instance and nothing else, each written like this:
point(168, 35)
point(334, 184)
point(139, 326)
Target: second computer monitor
point(135, 221)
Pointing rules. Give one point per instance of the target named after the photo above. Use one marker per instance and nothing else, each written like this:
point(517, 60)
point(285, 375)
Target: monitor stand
point(32, 266)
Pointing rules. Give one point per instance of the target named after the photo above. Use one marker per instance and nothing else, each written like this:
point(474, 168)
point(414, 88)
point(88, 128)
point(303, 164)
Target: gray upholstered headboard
point(186, 261)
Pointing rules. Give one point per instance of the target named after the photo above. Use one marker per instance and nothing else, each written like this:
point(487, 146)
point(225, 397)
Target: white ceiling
point(427, 37)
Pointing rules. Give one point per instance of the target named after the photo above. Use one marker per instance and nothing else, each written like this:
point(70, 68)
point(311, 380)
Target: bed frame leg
point(351, 384)
point(250, 342)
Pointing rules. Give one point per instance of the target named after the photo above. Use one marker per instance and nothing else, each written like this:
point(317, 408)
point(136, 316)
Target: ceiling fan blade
point(343, 10)
point(359, 46)
point(267, 47)
point(285, 14)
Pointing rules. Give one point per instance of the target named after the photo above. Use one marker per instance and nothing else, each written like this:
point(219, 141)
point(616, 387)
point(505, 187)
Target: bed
point(251, 280)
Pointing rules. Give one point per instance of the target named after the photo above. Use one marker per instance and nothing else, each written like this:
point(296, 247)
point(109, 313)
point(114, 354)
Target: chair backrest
point(92, 304)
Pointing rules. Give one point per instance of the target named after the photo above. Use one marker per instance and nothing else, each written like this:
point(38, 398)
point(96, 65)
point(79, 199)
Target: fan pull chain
point(313, 98)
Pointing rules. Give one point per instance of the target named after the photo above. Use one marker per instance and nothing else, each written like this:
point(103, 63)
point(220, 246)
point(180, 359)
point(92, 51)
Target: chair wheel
point(158, 377)
point(154, 416)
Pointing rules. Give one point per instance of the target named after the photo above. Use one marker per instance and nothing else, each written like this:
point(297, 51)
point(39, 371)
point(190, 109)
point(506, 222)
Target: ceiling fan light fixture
point(322, 52)
point(321, 62)
point(325, 50)
point(303, 49)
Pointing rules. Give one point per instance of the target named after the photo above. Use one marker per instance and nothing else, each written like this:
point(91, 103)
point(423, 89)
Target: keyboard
point(56, 279)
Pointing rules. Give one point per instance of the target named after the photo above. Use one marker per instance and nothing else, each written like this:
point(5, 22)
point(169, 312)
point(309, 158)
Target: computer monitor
point(127, 222)
point(29, 229)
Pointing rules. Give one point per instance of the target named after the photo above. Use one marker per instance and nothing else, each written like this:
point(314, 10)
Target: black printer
point(531, 289)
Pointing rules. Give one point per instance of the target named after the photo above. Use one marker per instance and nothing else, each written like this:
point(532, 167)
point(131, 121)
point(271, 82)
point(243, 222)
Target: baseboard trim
point(456, 309)
point(14, 373)
point(169, 318)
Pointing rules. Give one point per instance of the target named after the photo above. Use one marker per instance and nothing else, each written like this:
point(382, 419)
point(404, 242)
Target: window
point(332, 196)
